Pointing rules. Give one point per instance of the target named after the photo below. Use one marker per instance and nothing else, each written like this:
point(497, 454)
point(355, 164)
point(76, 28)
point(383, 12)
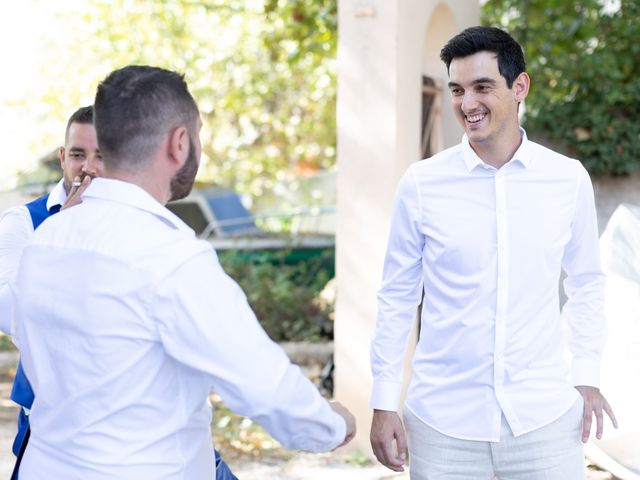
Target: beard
point(182, 182)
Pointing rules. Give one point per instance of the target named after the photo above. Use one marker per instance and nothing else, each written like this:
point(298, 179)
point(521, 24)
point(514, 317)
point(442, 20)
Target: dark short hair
point(82, 115)
point(487, 39)
point(135, 107)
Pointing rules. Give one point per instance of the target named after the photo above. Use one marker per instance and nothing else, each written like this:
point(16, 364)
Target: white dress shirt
point(125, 322)
point(16, 230)
point(488, 247)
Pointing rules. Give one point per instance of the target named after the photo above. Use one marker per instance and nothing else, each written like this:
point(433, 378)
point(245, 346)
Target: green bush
point(6, 344)
point(284, 296)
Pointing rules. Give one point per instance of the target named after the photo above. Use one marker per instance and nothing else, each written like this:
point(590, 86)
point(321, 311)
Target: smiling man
point(484, 230)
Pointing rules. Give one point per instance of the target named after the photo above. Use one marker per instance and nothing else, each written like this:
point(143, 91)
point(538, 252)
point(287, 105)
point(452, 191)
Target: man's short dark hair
point(487, 39)
point(135, 107)
point(83, 115)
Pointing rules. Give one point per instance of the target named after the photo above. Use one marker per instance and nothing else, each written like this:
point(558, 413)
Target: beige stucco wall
point(384, 48)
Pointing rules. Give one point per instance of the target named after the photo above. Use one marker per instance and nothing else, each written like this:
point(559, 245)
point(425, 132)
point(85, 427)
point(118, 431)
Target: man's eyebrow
point(76, 149)
point(483, 80)
point(475, 82)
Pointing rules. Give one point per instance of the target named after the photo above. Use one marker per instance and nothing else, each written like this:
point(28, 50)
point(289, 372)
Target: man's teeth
point(475, 118)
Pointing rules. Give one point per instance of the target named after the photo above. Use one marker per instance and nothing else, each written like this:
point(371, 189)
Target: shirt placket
point(501, 292)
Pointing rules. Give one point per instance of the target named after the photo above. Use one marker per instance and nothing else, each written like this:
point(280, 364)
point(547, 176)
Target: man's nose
point(469, 102)
point(92, 166)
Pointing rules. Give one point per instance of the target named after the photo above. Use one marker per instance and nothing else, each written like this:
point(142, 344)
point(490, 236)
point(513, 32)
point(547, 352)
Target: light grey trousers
point(553, 452)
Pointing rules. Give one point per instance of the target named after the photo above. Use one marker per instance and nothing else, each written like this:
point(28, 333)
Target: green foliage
point(239, 438)
point(6, 344)
point(263, 73)
point(585, 68)
point(284, 296)
point(358, 458)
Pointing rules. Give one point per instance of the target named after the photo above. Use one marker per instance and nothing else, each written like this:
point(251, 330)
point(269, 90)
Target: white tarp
point(619, 450)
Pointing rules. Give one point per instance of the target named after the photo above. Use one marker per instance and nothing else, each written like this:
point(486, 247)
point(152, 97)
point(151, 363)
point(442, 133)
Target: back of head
point(135, 107)
point(84, 115)
point(487, 39)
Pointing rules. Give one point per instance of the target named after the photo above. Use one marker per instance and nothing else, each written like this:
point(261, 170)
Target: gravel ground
point(308, 466)
point(327, 466)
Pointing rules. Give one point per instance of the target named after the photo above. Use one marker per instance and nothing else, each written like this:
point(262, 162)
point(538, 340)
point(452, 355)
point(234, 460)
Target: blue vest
point(22, 393)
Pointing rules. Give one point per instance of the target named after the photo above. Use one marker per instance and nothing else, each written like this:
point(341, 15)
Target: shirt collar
point(130, 194)
point(522, 154)
point(57, 196)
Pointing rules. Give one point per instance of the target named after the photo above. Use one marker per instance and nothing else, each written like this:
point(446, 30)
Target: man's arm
point(205, 322)
point(16, 230)
point(398, 300)
point(584, 309)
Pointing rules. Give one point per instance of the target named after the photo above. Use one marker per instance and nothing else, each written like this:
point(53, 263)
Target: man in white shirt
point(80, 161)
point(484, 230)
point(127, 320)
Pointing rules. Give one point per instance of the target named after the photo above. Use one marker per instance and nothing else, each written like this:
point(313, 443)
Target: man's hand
point(77, 189)
point(594, 402)
point(385, 428)
point(349, 420)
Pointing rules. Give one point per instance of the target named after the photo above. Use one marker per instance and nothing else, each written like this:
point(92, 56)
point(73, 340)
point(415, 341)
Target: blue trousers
point(223, 472)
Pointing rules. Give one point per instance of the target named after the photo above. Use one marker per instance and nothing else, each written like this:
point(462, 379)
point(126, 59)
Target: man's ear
point(61, 153)
point(521, 86)
point(179, 145)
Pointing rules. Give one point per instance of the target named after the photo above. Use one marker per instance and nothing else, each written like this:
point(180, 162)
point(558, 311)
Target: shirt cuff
point(385, 396)
point(585, 371)
point(338, 433)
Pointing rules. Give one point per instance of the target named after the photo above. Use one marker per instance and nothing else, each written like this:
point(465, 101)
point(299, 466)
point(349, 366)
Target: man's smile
point(475, 118)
